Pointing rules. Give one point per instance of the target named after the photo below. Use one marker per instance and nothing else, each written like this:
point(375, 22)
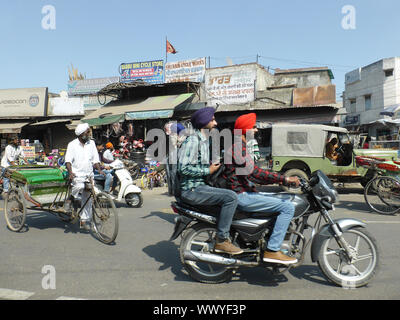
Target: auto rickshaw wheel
point(15, 209)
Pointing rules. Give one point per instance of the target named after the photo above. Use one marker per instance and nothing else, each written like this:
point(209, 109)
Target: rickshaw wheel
point(105, 218)
point(15, 210)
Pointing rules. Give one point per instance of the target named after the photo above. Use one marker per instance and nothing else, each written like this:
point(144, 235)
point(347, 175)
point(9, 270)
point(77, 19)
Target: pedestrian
point(80, 158)
point(194, 166)
point(10, 158)
point(253, 149)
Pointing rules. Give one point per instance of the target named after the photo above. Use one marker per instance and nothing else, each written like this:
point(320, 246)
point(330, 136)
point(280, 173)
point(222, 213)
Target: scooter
point(127, 189)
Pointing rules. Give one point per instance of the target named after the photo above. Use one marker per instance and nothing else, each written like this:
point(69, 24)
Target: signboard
point(232, 85)
point(94, 102)
point(184, 71)
point(64, 106)
point(29, 152)
point(30, 102)
point(147, 71)
point(89, 86)
point(352, 120)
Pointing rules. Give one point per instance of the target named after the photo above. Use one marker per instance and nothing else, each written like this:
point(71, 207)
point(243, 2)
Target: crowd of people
point(86, 158)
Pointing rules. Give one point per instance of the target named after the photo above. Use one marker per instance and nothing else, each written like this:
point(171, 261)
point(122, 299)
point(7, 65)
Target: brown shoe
point(278, 257)
point(227, 247)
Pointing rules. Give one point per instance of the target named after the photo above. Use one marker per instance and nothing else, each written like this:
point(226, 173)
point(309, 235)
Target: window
point(388, 72)
point(352, 105)
point(297, 138)
point(368, 102)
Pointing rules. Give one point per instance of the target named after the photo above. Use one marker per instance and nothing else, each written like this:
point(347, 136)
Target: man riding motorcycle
point(239, 176)
point(194, 166)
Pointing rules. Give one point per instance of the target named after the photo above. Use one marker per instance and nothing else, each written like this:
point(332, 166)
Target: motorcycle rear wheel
point(200, 238)
point(334, 265)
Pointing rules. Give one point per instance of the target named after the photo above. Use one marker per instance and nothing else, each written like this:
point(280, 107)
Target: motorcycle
point(127, 189)
point(344, 250)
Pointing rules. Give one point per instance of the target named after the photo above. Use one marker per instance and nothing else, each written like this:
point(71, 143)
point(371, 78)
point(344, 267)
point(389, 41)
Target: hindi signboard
point(230, 85)
point(147, 71)
point(185, 71)
point(29, 152)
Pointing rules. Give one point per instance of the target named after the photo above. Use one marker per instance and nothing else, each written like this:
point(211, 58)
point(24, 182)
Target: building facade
point(369, 92)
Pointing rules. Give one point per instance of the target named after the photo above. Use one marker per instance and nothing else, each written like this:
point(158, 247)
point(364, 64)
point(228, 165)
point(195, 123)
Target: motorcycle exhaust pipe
point(197, 215)
point(214, 258)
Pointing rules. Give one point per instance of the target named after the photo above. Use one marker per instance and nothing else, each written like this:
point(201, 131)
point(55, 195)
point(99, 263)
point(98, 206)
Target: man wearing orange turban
point(108, 156)
point(239, 176)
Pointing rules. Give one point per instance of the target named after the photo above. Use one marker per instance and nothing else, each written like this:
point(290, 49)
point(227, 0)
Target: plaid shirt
point(194, 161)
point(237, 174)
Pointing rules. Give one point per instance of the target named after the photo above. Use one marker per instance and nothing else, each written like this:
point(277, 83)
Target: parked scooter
point(345, 251)
point(127, 189)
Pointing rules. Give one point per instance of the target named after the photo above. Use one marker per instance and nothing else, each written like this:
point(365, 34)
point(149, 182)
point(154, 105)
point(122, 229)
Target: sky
point(97, 36)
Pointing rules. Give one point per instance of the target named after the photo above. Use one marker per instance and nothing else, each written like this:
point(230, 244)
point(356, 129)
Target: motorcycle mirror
point(314, 180)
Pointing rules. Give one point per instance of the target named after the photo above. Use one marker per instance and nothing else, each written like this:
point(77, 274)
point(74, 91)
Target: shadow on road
point(165, 216)
point(167, 253)
point(310, 273)
point(353, 206)
point(43, 220)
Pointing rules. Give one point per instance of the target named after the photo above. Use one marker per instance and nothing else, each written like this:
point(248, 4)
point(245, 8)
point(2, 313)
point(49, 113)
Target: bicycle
point(382, 192)
point(23, 195)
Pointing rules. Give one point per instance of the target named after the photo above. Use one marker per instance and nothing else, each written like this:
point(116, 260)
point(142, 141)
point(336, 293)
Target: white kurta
point(11, 154)
point(82, 158)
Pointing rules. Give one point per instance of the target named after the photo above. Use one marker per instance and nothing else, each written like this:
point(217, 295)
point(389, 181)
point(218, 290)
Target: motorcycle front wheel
point(200, 238)
point(335, 265)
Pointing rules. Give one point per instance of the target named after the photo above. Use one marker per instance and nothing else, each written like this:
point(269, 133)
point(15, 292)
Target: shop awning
point(105, 118)
point(14, 127)
point(391, 110)
point(150, 108)
point(157, 107)
point(51, 121)
point(73, 124)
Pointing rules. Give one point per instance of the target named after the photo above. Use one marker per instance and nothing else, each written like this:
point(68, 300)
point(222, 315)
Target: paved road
point(143, 264)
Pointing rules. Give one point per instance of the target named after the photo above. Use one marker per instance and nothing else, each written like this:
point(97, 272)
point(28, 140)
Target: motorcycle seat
point(215, 210)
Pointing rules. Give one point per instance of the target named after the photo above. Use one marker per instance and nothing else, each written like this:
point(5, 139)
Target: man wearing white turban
point(80, 158)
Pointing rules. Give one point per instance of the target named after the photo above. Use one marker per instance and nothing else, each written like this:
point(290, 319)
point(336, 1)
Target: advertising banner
point(184, 71)
point(63, 106)
point(232, 85)
point(30, 102)
point(89, 86)
point(29, 152)
point(147, 71)
point(94, 102)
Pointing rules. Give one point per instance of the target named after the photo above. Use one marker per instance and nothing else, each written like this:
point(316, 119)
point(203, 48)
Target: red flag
point(170, 48)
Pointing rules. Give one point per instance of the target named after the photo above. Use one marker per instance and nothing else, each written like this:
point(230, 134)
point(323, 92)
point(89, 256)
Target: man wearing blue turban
point(193, 167)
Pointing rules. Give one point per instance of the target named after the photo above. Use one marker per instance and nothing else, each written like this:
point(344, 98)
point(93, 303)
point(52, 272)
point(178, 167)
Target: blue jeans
point(264, 202)
point(206, 195)
point(6, 181)
point(108, 179)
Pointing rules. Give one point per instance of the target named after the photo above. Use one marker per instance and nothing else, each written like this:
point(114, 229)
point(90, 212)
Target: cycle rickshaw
point(47, 188)
point(382, 192)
